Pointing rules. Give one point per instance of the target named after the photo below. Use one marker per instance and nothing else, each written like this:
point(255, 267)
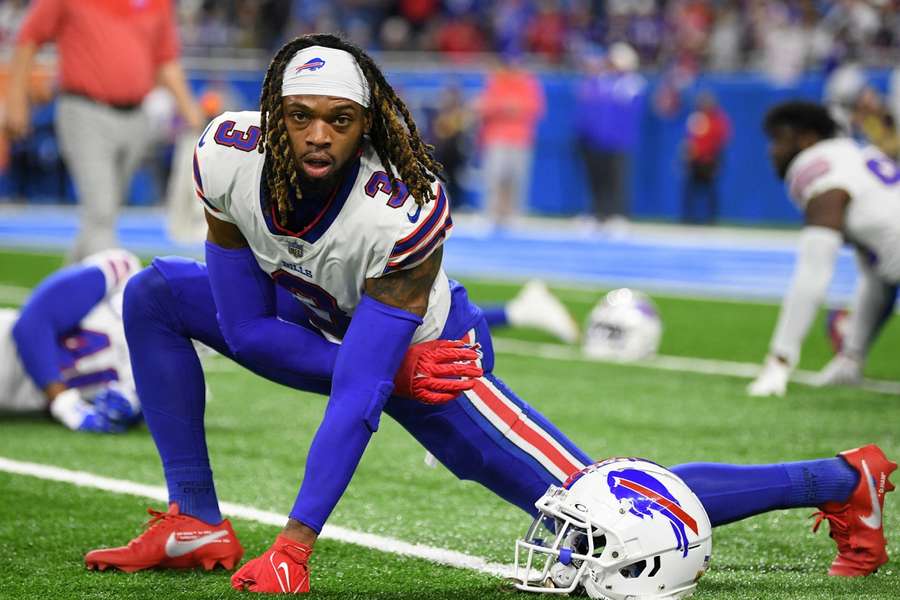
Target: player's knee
point(147, 297)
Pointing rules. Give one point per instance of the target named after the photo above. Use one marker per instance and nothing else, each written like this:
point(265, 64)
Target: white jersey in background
point(872, 181)
point(363, 232)
point(91, 356)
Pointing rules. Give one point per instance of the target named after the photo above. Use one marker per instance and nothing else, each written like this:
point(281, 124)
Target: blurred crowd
point(631, 57)
point(780, 36)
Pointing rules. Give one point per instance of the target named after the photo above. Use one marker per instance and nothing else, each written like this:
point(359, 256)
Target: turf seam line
point(372, 541)
point(683, 364)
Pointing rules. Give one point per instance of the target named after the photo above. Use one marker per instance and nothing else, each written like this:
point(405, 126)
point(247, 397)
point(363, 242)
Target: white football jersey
point(364, 231)
point(91, 356)
point(872, 181)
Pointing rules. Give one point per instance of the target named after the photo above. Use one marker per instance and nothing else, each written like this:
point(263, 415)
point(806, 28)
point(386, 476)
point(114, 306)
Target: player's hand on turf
point(119, 405)
point(772, 380)
point(843, 369)
point(282, 569)
point(70, 409)
point(438, 371)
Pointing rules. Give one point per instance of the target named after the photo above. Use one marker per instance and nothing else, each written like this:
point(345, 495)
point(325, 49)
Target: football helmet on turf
point(623, 529)
point(624, 325)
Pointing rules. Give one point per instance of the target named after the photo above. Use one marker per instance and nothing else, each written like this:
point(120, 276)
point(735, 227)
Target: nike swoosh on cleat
point(175, 548)
point(873, 520)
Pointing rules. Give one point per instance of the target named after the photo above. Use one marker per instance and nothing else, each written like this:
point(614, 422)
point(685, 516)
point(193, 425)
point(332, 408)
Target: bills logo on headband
point(313, 64)
point(648, 495)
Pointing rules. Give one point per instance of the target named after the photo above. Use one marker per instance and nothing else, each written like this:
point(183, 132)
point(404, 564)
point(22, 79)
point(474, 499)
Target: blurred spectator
point(609, 108)
point(510, 107)
point(110, 57)
point(546, 32)
point(508, 19)
point(727, 38)
point(722, 35)
point(708, 130)
point(460, 36)
point(450, 128)
point(11, 14)
point(786, 39)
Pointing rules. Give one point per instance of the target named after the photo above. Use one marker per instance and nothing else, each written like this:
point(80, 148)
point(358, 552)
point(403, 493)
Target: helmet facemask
point(609, 547)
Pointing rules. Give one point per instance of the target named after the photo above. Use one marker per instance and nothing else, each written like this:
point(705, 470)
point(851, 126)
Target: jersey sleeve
point(117, 266)
point(224, 142)
point(820, 169)
point(420, 231)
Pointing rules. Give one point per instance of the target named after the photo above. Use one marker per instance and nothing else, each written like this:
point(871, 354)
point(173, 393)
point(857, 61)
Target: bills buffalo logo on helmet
point(648, 496)
point(313, 64)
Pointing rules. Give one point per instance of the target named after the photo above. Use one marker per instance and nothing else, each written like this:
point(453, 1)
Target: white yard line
point(705, 366)
point(249, 513)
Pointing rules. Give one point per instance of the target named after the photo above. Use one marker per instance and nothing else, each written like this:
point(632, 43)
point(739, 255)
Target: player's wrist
point(67, 407)
point(54, 389)
point(296, 531)
point(780, 360)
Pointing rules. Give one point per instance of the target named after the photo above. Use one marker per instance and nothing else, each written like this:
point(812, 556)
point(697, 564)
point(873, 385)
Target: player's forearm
point(815, 264)
point(54, 389)
point(370, 355)
point(871, 307)
point(171, 76)
point(57, 305)
point(19, 70)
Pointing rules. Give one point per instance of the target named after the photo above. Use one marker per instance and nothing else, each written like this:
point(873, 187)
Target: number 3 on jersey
point(321, 308)
point(226, 135)
point(380, 182)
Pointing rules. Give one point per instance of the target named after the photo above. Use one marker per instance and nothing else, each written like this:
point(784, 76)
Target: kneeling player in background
point(303, 195)
point(847, 192)
point(65, 350)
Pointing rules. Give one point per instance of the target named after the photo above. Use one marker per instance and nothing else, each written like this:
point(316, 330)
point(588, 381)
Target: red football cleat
point(856, 525)
point(172, 541)
point(282, 569)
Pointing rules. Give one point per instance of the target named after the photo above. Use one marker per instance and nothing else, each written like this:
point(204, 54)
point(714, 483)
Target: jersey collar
point(322, 221)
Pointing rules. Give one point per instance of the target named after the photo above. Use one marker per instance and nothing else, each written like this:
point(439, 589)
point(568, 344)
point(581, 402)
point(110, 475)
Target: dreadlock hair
point(802, 116)
point(393, 134)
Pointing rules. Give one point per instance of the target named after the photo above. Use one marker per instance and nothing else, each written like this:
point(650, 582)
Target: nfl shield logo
point(295, 249)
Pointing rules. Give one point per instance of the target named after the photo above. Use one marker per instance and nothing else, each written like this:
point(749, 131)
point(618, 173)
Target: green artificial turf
point(259, 434)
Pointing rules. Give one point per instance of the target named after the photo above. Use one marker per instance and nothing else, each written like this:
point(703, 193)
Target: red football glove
point(281, 569)
point(436, 372)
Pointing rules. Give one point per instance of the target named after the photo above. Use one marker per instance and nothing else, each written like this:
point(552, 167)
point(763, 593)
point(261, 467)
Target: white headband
point(324, 71)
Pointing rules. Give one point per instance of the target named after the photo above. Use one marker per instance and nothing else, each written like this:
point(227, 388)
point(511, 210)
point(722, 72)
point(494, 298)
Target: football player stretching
point(329, 192)
point(847, 192)
point(65, 350)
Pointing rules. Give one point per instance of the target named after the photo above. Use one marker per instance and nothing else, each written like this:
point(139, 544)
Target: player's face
point(784, 145)
point(325, 133)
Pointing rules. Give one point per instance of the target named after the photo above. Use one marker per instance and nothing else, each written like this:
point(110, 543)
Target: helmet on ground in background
point(623, 326)
point(622, 529)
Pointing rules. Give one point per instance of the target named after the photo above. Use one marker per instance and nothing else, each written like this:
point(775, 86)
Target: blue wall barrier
point(749, 191)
